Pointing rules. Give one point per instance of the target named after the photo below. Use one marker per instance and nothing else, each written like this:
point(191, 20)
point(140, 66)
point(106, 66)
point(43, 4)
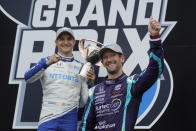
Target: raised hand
point(81, 48)
point(53, 59)
point(91, 77)
point(154, 27)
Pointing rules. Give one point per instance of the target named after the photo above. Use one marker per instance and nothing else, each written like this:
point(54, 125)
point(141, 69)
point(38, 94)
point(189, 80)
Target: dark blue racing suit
point(113, 104)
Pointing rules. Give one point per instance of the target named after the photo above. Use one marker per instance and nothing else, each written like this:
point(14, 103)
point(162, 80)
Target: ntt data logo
point(116, 21)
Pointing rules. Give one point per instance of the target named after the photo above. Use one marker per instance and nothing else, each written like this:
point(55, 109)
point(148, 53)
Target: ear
point(74, 42)
point(122, 58)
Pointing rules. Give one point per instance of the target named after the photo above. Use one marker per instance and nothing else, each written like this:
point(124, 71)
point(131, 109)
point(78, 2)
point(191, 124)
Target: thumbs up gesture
point(154, 27)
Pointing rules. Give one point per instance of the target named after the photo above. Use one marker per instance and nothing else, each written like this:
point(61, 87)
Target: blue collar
point(66, 59)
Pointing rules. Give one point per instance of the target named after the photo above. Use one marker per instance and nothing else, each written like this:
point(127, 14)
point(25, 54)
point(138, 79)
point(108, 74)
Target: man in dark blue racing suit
point(113, 104)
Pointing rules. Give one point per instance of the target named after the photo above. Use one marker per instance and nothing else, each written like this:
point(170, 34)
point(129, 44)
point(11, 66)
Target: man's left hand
point(154, 27)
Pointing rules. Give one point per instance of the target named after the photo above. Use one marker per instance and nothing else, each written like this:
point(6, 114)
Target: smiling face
point(112, 61)
point(65, 43)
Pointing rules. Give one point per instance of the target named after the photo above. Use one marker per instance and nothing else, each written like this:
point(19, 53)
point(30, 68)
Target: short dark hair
point(101, 55)
point(63, 34)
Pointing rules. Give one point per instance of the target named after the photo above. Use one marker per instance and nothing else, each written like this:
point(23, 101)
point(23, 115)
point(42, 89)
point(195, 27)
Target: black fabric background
point(180, 53)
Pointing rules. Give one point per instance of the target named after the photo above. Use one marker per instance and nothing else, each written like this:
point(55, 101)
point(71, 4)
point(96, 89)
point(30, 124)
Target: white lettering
point(48, 15)
point(125, 14)
point(70, 14)
point(89, 16)
point(27, 56)
point(139, 48)
point(141, 20)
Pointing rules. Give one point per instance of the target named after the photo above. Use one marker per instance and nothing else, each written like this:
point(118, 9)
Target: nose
point(65, 41)
point(109, 58)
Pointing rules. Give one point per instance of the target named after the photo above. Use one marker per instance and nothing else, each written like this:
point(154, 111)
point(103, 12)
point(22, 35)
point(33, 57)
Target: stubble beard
point(113, 72)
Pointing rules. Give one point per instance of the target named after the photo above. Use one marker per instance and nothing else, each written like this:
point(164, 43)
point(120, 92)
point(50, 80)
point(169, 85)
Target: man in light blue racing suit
point(62, 90)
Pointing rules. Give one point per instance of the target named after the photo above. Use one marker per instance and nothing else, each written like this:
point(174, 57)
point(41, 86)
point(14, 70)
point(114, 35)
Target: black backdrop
point(180, 53)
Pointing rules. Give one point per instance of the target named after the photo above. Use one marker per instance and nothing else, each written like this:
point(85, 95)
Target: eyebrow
point(69, 36)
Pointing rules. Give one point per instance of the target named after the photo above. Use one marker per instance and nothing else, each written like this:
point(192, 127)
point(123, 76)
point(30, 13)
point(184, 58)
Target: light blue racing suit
point(62, 92)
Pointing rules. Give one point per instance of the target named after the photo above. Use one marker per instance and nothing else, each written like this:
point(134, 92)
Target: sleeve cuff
point(154, 38)
point(43, 63)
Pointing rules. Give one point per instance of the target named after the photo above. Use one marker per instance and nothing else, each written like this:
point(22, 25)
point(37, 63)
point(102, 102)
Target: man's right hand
point(53, 59)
